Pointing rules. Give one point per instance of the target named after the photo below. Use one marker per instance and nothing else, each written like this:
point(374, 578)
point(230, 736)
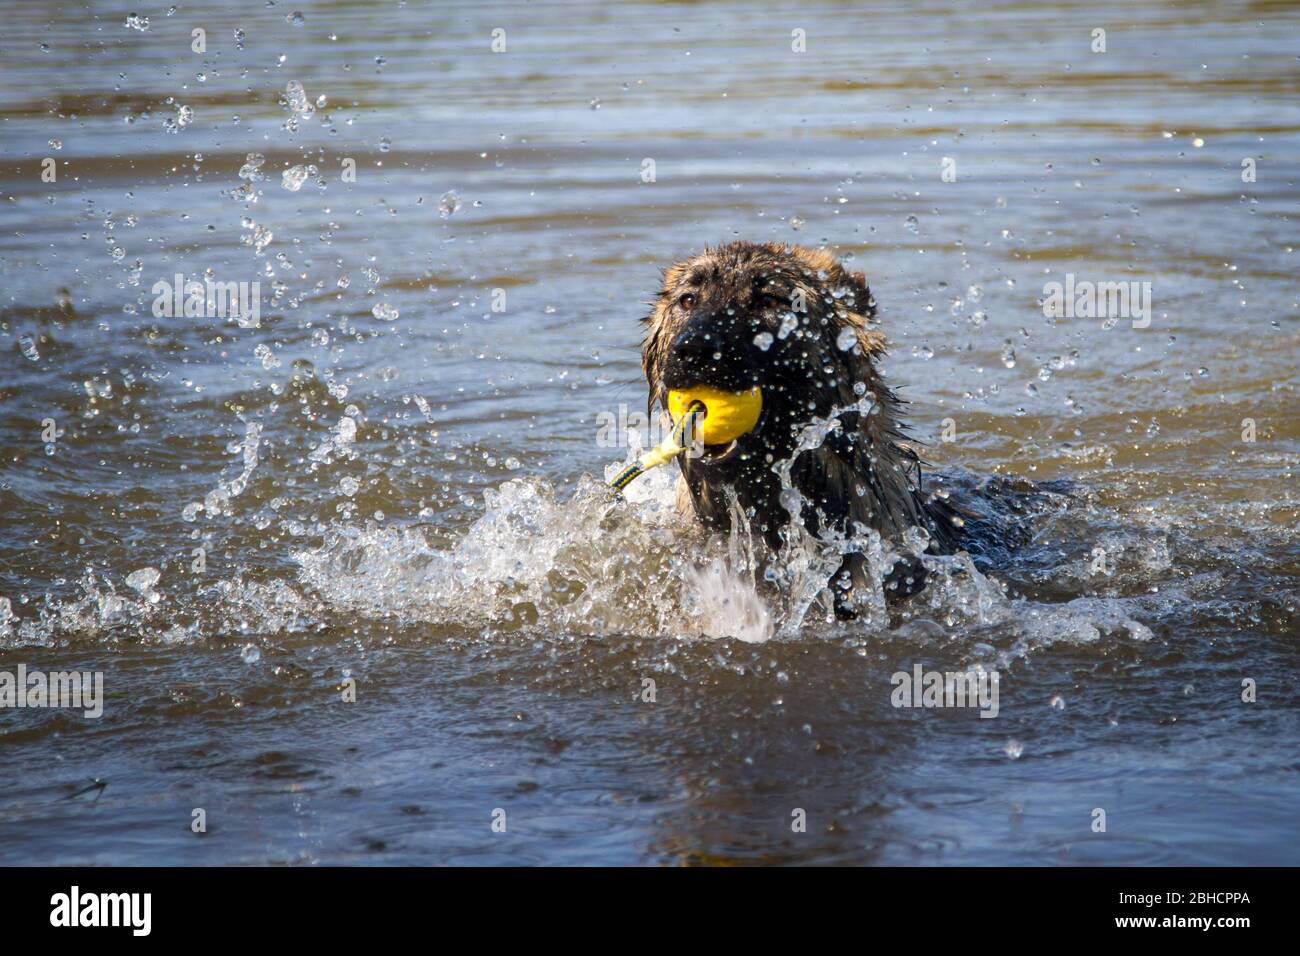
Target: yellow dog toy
point(717, 418)
point(727, 415)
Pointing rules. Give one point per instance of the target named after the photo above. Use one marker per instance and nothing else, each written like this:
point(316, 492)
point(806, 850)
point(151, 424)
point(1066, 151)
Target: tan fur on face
point(815, 272)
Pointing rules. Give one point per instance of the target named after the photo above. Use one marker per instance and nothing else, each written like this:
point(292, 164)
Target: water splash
point(217, 501)
point(592, 564)
point(538, 564)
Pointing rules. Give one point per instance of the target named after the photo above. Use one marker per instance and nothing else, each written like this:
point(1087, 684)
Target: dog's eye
point(770, 300)
point(687, 301)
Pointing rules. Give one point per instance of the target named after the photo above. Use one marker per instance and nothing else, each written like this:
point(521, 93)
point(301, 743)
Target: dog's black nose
point(695, 344)
point(709, 350)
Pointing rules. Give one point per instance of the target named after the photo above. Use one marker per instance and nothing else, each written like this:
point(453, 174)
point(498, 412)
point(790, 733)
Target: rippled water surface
point(391, 480)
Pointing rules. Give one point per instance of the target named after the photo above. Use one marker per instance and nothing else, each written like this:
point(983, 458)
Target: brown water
point(402, 502)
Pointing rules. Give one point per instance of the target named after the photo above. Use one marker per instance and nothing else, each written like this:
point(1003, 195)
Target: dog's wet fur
point(796, 323)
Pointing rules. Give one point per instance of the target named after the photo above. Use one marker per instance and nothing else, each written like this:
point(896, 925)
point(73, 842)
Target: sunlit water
point(393, 477)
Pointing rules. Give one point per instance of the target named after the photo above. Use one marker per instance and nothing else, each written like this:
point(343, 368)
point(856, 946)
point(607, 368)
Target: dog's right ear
point(658, 335)
point(653, 347)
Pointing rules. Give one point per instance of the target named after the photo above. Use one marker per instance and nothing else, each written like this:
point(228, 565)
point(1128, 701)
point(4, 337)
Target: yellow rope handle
point(664, 452)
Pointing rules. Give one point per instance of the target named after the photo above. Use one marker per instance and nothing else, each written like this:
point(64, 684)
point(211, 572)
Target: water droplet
point(448, 203)
point(267, 357)
point(252, 168)
point(143, 579)
point(250, 654)
point(295, 98)
point(293, 178)
point(385, 311)
point(789, 322)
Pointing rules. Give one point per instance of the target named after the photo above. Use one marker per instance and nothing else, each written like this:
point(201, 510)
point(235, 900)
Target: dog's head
point(790, 320)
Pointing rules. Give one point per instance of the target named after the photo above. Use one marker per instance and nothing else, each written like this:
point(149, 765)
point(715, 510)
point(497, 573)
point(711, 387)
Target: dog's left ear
point(860, 310)
point(863, 303)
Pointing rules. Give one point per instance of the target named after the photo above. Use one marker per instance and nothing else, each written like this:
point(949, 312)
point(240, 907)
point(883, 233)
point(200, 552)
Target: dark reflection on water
point(331, 466)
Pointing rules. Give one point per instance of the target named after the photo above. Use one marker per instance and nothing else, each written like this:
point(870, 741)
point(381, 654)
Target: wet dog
point(796, 323)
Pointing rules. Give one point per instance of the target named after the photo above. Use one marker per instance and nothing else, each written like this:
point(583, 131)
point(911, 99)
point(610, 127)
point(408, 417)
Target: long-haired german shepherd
point(797, 324)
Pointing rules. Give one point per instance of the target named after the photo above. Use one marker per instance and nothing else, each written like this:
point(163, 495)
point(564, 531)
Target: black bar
point(330, 904)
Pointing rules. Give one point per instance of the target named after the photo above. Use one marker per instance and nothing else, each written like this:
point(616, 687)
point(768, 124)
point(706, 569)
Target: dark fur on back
point(796, 323)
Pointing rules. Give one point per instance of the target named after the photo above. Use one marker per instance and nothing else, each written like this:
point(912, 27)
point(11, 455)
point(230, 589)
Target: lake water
point(387, 485)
